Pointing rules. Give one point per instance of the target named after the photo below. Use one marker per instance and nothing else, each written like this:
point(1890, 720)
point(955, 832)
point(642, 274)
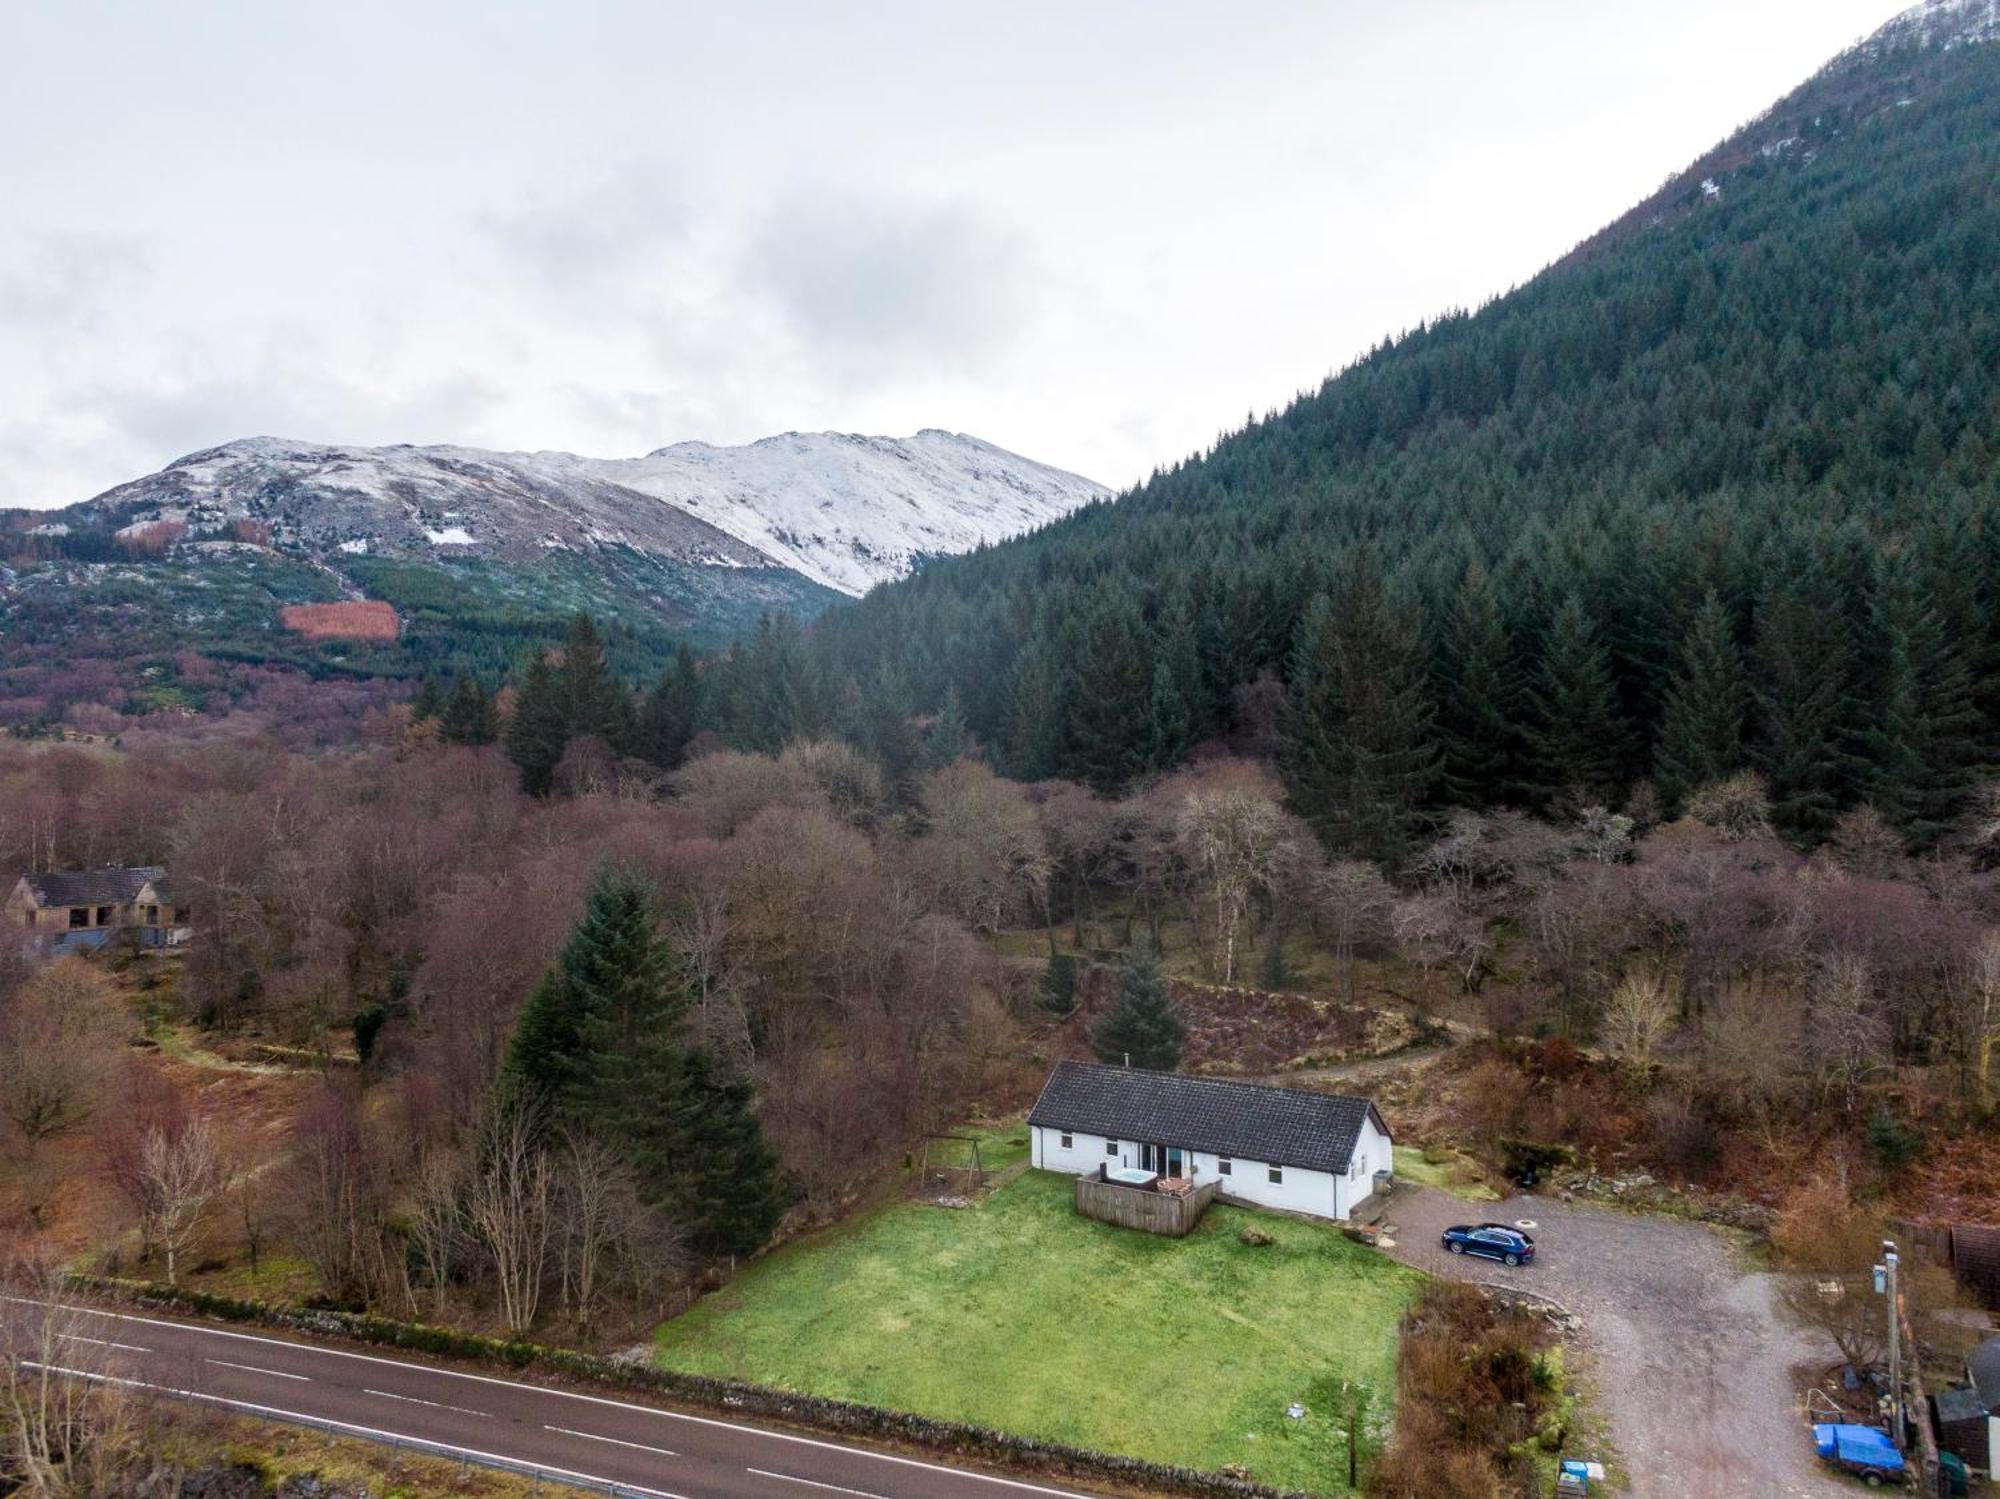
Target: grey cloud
point(60, 279)
point(875, 285)
point(284, 400)
point(601, 231)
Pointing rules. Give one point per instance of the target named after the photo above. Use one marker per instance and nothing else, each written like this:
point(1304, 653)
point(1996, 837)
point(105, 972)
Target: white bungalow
point(1313, 1153)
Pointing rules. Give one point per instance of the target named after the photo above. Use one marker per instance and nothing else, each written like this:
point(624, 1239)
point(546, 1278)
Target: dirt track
point(1694, 1361)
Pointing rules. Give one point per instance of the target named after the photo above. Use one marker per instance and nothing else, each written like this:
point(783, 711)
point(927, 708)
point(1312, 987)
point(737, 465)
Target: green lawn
point(1001, 1145)
point(1018, 1314)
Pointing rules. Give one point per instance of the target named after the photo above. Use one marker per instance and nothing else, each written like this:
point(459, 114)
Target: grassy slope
point(1019, 1315)
point(1451, 1173)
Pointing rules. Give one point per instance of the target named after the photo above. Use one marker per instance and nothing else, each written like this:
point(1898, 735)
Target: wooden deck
point(1153, 1212)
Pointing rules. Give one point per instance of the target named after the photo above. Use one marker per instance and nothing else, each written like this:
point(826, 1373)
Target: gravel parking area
point(1695, 1363)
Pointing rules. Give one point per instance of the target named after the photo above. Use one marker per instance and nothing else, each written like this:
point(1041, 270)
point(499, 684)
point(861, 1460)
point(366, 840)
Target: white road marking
point(372, 1433)
point(813, 1483)
point(436, 1405)
point(614, 1441)
point(197, 1330)
point(253, 1369)
point(77, 1337)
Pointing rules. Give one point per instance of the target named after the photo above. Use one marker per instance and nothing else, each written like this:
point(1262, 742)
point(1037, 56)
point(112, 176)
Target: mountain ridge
point(843, 510)
point(1749, 430)
point(1801, 122)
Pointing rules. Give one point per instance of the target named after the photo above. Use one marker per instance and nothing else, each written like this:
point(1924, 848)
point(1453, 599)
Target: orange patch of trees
point(359, 619)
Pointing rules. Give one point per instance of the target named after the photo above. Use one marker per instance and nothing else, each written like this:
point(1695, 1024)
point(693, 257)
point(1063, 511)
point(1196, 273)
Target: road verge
point(841, 1418)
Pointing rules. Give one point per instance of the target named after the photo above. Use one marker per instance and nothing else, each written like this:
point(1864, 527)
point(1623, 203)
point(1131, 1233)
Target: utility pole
point(1888, 1270)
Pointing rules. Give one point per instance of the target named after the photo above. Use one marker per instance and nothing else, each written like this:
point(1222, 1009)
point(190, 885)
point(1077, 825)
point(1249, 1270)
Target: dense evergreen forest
point(1715, 493)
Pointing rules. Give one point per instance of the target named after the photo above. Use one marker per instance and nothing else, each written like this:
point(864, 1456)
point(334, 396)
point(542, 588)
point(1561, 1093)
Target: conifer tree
point(614, 976)
point(469, 715)
point(605, 1041)
point(774, 703)
point(538, 730)
point(1701, 734)
point(1481, 695)
point(429, 701)
point(671, 714)
point(1805, 713)
point(1575, 730)
point(877, 720)
point(1924, 746)
point(1359, 754)
point(692, 1137)
point(1178, 648)
point(1168, 726)
point(1037, 710)
point(946, 739)
point(1144, 1028)
point(1108, 723)
point(597, 705)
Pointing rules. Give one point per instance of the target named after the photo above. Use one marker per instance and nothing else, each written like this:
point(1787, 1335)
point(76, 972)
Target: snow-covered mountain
point(845, 511)
point(1935, 23)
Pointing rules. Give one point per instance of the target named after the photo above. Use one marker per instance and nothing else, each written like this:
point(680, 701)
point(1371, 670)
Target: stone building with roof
point(88, 909)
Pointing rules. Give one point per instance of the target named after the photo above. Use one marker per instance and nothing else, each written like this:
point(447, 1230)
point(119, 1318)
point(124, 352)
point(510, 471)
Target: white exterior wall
point(1085, 1155)
point(1301, 1191)
point(1372, 1153)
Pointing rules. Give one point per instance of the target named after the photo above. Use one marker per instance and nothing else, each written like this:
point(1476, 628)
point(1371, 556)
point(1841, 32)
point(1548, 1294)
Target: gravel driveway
point(1694, 1361)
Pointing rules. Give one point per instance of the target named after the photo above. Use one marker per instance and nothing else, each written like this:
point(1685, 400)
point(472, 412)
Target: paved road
point(658, 1453)
point(1695, 1364)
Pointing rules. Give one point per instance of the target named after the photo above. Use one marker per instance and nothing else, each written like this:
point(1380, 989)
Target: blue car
point(1495, 1241)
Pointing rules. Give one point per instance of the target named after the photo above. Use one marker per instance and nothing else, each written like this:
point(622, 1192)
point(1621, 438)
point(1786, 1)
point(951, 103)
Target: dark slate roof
point(1985, 1367)
point(1975, 1255)
point(1279, 1126)
point(1960, 1405)
point(92, 887)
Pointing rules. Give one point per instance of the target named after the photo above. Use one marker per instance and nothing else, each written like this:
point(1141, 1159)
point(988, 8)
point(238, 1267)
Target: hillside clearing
point(1019, 1315)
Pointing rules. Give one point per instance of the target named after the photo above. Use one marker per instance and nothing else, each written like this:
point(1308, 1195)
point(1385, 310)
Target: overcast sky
point(1096, 233)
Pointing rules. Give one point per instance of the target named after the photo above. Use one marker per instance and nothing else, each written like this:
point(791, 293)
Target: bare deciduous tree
point(333, 1194)
point(1638, 1017)
point(596, 1197)
point(67, 1427)
point(437, 1216)
point(510, 1207)
point(1980, 1008)
point(1353, 903)
point(183, 1173)
point(984, 852)
point(1433, 931)
point(1846, 1035)
point(59, 1039)
point(1738, 806)
point(1580, 927)
point(1233, 838)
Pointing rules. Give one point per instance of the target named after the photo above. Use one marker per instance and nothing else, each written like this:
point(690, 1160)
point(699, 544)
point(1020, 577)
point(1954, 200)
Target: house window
point(1222, 1165)
point(104, 916)
point(79, 916)
point(1277, 1176)
point(1111, 1147)
point(152, 916)
point(1066, 1141)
